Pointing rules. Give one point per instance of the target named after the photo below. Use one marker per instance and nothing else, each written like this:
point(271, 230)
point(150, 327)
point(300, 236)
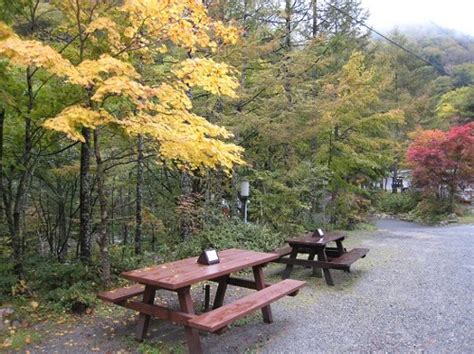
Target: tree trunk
point(2, 207)
point(314, 27)
point(7, 204)
point(61, 249)
point(153, 238)
point(112, 212)
point(244, 70)
point(394, 179)
point(286, 63)
point(85, 200)
point(19, 204)
point(103, 239)
point(138, 211)
point(288, 24)
point(186, 192)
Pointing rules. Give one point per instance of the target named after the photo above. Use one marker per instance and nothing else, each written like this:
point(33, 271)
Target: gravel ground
point(413, 292)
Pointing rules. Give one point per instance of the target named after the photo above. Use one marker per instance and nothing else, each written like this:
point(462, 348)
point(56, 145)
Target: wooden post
point(317, 272)
point(340, 248)
point(327, 274)
point(289, 267)
point(260, 284)
point(192, 335)
point(220, 293)
point(144, 319)
point(207, 295)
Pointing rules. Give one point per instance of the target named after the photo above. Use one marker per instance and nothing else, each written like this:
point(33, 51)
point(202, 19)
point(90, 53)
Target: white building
point(403, 181)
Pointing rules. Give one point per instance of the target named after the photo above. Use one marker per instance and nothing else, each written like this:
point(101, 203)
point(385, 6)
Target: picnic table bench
point(328, 257)
point(180, 275)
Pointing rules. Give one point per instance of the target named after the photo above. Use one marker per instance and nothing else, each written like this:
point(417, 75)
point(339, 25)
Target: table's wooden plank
point(350, 257)
point(306, 262)
point(182, 273)
point(225, 315)
point(171, 268)
point(184, 266)
point(206, 272)
point(310, 240)
point(159, 311)
point(121, 294)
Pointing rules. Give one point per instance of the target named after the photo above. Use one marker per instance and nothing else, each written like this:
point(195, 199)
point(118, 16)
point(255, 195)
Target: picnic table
point(327, 257)
point(180, 275)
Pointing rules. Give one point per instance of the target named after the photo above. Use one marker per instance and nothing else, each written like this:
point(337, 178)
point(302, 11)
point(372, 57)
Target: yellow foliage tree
point(163, 112)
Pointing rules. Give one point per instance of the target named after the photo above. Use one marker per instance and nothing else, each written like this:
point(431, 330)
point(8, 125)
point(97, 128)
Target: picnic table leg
point(220, 293)
point(316, 271)
point(192, 335)
point(340, 248)
point(289, 267)
point(144, 319)
point(327, 274)
point(260, 284)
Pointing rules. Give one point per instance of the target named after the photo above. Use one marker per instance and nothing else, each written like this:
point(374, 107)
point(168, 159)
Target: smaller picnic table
point(178, 276)
point(328, 257)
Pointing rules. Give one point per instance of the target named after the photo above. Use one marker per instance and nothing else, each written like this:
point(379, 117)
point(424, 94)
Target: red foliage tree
point(443, 159)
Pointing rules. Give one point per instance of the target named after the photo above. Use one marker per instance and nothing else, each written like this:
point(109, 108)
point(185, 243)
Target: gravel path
point(413, 292)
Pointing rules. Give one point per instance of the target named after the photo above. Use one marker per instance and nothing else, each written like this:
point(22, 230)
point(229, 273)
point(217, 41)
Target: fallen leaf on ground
point(7, 343)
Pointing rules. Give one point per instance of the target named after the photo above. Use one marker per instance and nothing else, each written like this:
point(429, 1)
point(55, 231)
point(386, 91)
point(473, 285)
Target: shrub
point(348, 209)
point(432, 210)
point(65, 286)
point(123, 258)
point(396, 203)
point(76, 298)
point(230, 233)
point(7, 279)
point(46, 274)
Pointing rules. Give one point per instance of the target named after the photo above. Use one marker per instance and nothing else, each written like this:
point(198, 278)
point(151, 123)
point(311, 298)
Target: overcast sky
point(453, 14)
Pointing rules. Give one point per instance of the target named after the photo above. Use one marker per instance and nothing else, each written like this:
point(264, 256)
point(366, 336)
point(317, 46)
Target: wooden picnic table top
point(185, 272)
point(309, 240)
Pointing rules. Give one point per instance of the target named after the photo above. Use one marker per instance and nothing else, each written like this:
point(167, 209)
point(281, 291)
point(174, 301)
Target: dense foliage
point(127, 126)
point(443, 160)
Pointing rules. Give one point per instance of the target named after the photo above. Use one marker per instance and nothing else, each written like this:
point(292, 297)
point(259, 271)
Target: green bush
point(65, 286)
point(348, 209)
point(45, 274)
point(230, 233)
point(77, 298)
point(123, 258)
point(432, 210)
point(7, 278)
point(396, 203)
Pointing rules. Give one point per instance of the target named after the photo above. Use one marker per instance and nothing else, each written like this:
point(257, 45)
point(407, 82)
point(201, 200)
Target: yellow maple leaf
point(33, 53)
point(73, 118)
point(206, 73)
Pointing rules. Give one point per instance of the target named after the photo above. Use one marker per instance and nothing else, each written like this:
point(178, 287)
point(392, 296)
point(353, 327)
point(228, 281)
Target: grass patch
point(161, 348)
point(19, 338)
point(248, 319)
point(365, 227)
point(466, 219)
